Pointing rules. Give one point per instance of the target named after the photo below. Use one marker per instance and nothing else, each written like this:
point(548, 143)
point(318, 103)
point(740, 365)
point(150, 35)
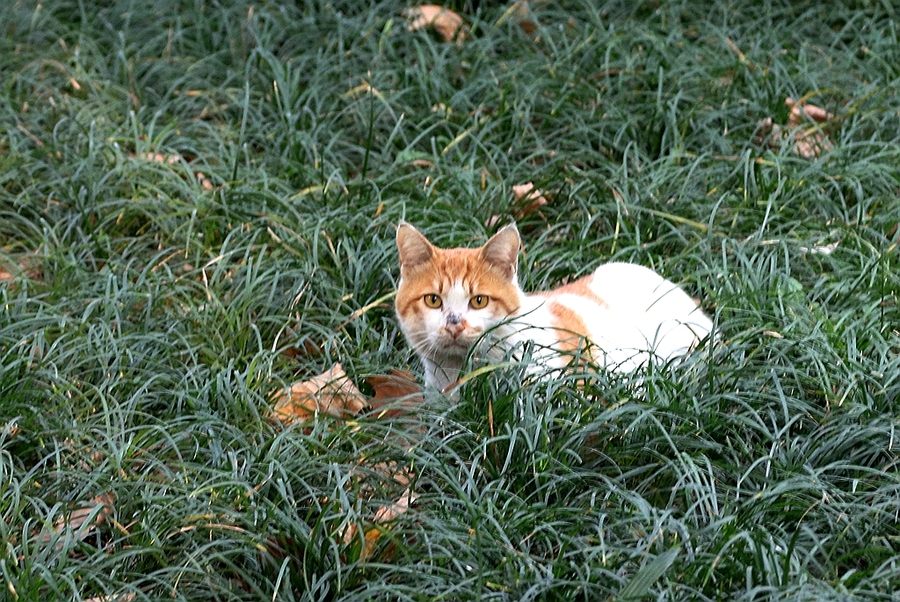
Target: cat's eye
point(433, 301)
point(479, 301)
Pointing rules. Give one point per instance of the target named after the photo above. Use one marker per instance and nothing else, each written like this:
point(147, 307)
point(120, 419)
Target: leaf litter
point(332, 393)
point(447, 23)
point(527, 199)
point(806, 126)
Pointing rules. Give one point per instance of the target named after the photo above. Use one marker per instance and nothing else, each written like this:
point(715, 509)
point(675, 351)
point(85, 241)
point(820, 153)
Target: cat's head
point(448, 298)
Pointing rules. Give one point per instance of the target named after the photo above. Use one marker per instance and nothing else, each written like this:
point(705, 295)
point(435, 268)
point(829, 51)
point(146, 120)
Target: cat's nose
point(454, 329)
point(454, 325)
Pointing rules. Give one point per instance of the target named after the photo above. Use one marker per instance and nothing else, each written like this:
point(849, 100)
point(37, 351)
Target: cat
point(623, 315)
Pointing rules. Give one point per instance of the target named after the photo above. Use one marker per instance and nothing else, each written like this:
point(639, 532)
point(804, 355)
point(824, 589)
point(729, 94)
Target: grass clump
point(197, 208)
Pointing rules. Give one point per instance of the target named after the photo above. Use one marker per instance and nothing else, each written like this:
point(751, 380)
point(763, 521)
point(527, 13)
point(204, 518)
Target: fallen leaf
point(205, 183)
point(113, 598)
point(331, 392)
point(174, 159)
point(524, 16)
point(302, 348)
point(821, 249)
point(83, 519)
point(526, 200)
point(804, 125)
point(809, 142)
point(520, 12)
point(799, 113)
point(447, 23)
point(25, 265)
point(383, 515)
point(11, 430)
point(395, 393)
point(160, 158)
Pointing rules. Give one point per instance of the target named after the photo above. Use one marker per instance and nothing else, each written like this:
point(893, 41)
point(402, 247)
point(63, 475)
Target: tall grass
point(198, 202)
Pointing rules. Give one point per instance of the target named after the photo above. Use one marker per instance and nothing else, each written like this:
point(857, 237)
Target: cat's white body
point(644, 318)
point(622, 316)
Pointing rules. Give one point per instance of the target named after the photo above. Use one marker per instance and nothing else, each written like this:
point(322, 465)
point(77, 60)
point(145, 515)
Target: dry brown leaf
point(160, 158)
point(447, 23)
point(809, 143)
point(799, 111)
point(803, 125)
point(383, 515)
point(395, 393)
point(205, 183)
point(173, 159)
point(524, 16)
point(392, 511)
point(112, 598)
point(331, 392)
point(26, 265)
point(302, 348)
point(526, 200)
point(11, 430)
point(83, 519)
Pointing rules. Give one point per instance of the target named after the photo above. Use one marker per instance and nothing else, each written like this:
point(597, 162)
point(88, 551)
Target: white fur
point(646, 318)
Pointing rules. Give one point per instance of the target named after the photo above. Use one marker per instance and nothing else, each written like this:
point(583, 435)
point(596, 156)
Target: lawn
point(198, 203)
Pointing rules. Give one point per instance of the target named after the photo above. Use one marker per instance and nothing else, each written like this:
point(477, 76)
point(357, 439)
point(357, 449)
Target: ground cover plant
point(198, 207)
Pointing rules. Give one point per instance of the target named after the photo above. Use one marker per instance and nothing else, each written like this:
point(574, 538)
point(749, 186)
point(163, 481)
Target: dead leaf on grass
point(383, 515)
point(113, 598)
point(11, 430)
point(805, 124)
point(526, 200)
point(83, 519)
point(204, 182)
point(520, 12)
point(525, 18)
point(331, 393)
point(25, 265)
point(447, 23)
point(174, 159)
point(395, 393)
point(821, 249)
point(171, 159)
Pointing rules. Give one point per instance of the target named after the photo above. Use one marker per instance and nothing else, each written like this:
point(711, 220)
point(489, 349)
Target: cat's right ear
point(502, 250)
point(413, 247)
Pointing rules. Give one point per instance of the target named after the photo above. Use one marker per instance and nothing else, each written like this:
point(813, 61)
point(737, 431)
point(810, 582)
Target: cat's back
point(631, 287)
point(627, 309)
point(619, 287)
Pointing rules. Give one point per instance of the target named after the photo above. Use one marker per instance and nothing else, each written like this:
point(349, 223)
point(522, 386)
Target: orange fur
point(628, 314)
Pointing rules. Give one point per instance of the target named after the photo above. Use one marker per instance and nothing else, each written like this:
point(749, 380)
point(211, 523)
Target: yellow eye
point(479, 301)
point(433, 301)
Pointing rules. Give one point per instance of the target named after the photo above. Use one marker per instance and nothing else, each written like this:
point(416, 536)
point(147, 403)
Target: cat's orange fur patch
point(580, 287)
point(568, 326)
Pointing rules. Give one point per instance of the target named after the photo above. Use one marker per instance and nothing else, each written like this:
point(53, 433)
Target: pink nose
point(454, 328)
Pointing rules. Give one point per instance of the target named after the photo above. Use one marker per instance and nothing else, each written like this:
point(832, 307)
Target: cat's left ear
point(502, 250)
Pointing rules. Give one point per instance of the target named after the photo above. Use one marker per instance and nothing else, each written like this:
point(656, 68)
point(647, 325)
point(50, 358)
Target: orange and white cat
point(623, 315)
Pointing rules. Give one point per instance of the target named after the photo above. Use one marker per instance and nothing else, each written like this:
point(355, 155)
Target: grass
point(150, 314)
